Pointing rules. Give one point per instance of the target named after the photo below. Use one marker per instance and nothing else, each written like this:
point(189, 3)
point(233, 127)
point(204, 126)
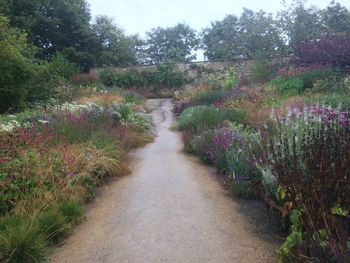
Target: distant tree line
point(43, 42)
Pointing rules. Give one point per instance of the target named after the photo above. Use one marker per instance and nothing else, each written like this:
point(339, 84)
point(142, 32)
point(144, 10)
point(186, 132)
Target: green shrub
point(108, 77)
point(53, 225)
point(197, 119)
point(299, 83)
point(288, 86)
point(22, 242)
point(165, 75)
point(51, 80)
point(131, 97)
point(210, 97)
point(310, 77)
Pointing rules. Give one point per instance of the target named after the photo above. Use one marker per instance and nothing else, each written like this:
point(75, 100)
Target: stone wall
point(243, 66)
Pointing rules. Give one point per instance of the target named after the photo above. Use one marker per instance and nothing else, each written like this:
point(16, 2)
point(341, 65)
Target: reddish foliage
point(333, 50)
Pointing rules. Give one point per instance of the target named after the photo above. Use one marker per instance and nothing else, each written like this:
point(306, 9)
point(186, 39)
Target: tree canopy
point(117, 49)
point(14, 67)
point(173, 43)
point(261, 34)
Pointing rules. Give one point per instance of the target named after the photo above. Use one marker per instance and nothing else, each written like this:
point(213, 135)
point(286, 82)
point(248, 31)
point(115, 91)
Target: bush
point(164, 76)
point(201, 118)
point(108, 77)
point(208, 97)
point(309, 157)
point(333, 50)
point(299, 83)
point(288, 86)
point(51, 81)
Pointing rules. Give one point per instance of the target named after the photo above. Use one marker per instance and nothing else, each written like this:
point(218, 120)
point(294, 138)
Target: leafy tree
point(173, 43)
point(51, 79)
point(15, 67)
point(117, 48)
point(56, 26)
point(300, 23)
point(220, 40)
point(253, 34)
point(259, 35)
point(337, 18)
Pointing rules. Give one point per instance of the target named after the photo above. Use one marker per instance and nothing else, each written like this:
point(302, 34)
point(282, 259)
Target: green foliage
point(243, 189)
point(261, 71)
point(288, 86)
point(22, 243)
point(294, 239)
point(209, 97)
point(301, 82)
point(51, 80)
point(71, 210)
point(226, 79)
point(53, 226)
point(252, 34)
point(108, 77)
point(165, 75)
point(334, 100)
point(15, 67)
point(66, 30)
point(201, 118)
point(173, 43)
point(117, 48)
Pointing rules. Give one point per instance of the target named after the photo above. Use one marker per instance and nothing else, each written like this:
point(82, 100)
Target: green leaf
point(339, 211)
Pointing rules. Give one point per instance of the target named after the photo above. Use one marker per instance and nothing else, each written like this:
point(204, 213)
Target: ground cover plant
point(52, 159)
point(290, 149)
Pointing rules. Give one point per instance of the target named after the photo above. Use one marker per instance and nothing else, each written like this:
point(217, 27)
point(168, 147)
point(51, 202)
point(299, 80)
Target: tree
point(259, 35)
point(253, 34)
point(220, 41)
point(301, 24)
point(56, 26)
point(15, 67)
point(337, 18)
point(117, 49)
point(173, 43)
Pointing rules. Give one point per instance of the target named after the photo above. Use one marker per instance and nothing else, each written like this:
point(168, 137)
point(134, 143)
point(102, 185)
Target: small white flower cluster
point(73, 107)
point(9, 126)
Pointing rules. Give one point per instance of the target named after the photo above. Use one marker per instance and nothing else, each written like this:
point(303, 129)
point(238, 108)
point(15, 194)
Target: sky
point(140, 16)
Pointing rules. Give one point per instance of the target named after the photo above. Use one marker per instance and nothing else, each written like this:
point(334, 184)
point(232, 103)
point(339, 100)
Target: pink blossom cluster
point(329, 115)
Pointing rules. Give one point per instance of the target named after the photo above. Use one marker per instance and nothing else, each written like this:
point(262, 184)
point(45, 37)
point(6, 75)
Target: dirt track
point(171, 209)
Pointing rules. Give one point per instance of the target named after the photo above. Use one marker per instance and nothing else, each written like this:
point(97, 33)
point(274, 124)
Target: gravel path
point(171, 209)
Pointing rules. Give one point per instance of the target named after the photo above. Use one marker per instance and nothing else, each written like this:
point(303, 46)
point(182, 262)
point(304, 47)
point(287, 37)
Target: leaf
point(339, 211)
point(281, 193)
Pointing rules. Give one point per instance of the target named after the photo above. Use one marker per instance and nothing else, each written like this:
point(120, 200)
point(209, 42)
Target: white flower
point(43, 121)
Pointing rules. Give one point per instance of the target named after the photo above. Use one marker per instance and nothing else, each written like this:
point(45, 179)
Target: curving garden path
point(171, 209)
